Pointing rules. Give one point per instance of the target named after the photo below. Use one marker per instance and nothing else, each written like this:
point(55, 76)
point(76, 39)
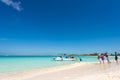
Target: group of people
point(101, 58)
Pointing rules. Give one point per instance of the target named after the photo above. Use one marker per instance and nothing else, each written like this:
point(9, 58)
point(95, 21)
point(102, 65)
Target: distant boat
point(61, 58)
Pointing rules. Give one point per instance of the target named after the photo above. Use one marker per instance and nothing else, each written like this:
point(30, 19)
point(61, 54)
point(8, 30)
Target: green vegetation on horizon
point(92, 54)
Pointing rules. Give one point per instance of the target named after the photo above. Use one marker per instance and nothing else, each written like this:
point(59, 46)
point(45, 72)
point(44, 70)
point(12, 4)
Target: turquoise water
point(11, 64)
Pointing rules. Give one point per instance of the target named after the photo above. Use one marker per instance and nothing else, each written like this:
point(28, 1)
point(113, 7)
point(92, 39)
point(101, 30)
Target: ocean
point(19, 63)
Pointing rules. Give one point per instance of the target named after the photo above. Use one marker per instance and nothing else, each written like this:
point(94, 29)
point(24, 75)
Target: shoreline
point(21, 75)
point(74, 71)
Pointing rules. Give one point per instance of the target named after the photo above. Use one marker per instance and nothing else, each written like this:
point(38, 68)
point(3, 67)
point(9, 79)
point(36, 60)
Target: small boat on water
point(61, 58)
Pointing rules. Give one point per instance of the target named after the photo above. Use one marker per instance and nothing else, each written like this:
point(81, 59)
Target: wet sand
point(76, 71)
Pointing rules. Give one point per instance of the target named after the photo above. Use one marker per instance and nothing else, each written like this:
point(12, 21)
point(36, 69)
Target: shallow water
point(16, 63)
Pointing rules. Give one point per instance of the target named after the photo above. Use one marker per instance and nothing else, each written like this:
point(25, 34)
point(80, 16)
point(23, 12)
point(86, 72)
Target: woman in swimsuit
point(102, 57)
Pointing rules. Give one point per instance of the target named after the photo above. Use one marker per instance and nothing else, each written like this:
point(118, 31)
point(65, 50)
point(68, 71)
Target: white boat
point(63, 59)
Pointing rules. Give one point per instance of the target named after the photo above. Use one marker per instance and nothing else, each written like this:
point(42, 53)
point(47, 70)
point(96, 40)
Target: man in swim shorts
point(116, 57)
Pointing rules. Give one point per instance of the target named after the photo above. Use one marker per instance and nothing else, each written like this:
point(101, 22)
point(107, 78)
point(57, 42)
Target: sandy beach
point(76, 71)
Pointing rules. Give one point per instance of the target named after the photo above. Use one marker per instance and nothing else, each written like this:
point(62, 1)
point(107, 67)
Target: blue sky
point(35, 27)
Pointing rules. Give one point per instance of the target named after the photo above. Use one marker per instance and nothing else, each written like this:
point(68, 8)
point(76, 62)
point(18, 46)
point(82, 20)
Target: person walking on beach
point(99, 58)
point(102, 57)
point(106, 55)
point(116, 57)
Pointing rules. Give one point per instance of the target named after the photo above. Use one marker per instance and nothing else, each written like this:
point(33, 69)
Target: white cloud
point(15, 5)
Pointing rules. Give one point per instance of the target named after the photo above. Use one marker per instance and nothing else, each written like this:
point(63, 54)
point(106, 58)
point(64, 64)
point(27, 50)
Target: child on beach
point(99, 58)
point(102, 57)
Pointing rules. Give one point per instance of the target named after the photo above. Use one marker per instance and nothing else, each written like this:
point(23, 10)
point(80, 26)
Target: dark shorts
point(116, 58)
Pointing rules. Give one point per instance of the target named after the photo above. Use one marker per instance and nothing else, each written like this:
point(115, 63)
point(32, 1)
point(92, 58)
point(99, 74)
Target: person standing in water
point(102, 57)
point(116, 57)
point(106, 55)
point(99, 58)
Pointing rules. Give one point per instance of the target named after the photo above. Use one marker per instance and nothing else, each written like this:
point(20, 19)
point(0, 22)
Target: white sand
point(77, 71)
